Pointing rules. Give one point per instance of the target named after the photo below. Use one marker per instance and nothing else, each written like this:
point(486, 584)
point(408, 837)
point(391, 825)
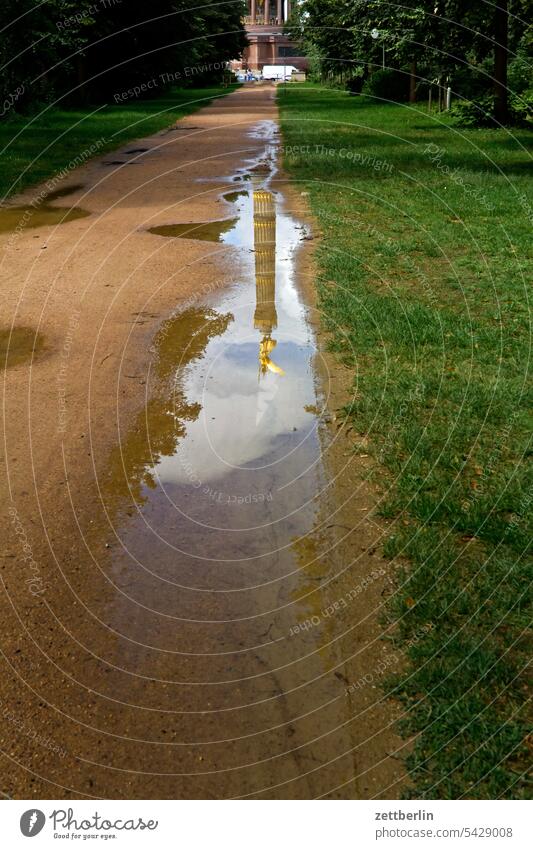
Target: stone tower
point(266, 43)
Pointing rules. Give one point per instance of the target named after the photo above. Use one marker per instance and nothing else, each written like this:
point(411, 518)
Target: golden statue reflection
point(265, 316)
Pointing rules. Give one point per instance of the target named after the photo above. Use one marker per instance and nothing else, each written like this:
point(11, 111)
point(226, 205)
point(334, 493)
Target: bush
point(474, 81)
point(520, 75)
point(522, 107)
point(480, 112)
point(475, 113)
point(355, 84)
point(388, 84)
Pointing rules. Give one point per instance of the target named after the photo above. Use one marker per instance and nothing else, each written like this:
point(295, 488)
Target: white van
point(278, 72)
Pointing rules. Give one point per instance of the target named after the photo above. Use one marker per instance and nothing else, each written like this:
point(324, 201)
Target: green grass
point(423, 285)
point(38, 147)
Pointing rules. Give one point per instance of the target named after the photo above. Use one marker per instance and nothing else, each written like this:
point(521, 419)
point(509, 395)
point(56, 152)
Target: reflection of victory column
point(265, 317)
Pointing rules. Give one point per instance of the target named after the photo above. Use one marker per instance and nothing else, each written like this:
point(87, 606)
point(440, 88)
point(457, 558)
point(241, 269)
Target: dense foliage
point(93, 49)
point(482, 50)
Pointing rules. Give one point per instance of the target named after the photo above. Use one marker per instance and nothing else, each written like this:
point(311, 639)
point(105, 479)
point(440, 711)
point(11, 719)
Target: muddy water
point(41, 213)
point(211, 231)
point(218, 550)
point(19, 345)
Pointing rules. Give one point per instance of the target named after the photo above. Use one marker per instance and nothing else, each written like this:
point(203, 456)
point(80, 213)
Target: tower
point(265, 316)
point(267, 45)
point(268, 11)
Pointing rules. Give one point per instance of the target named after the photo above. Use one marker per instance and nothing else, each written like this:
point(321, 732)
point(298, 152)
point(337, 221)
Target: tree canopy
point(463, 41)
point(90, 49)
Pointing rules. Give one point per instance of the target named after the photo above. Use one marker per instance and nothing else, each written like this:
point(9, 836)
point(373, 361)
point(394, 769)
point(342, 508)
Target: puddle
point(41, 214)
point(178, 130)
point(267, 130)
point(241, 363)
point(210, 231)
point(232, 197)
point(18, 345)
point(108, 162)
point(213, 500)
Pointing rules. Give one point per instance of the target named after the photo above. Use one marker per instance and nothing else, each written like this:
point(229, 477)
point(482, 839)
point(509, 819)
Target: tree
point(82, 49)
point(442, 36)
point(34, 46)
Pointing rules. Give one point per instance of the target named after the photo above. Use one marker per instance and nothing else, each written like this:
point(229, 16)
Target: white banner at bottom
point(267, 824)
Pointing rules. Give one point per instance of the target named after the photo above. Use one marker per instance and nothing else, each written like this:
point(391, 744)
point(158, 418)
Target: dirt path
point(168, 510)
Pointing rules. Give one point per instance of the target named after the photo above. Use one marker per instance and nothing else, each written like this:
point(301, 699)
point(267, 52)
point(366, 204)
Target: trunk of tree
point(412, 82)
point(501, 22)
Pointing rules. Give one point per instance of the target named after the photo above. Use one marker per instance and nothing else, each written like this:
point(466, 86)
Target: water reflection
point(181, 341)
point(265, 317)
point(230, 418)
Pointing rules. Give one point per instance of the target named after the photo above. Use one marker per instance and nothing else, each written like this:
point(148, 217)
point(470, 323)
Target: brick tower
point(266, 43)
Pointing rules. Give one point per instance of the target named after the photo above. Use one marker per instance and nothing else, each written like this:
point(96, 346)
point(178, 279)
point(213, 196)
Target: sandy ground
point(97, 289)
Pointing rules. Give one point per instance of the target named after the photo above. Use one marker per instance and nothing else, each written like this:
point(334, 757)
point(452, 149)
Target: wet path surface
point(213, 498)
point(18, 345)
point(193, 624)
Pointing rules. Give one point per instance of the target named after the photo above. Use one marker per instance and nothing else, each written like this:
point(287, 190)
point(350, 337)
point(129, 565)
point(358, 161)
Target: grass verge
point(37, 147)
point(425, 262)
